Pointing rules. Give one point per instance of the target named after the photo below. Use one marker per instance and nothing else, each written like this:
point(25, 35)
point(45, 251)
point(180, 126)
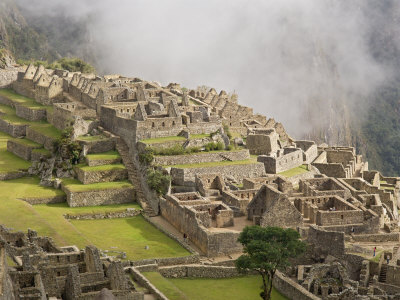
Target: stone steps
point(382, 274)
point(134, 176)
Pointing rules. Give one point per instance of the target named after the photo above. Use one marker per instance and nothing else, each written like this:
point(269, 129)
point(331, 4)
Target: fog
point(288, 59)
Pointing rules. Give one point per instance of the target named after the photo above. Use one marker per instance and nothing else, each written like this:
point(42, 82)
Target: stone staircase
point(134, 177)
point(382, 274)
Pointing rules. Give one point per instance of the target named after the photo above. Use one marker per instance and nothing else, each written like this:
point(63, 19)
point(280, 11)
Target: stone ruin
point(41, 270)
point(342, 209)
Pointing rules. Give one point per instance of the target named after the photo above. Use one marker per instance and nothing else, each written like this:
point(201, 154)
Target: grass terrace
point(26, 142)
point(129, 235)
point(110, 155)
point(22, 100)
point(76, 186)
point(47, 130)
point(251, 160)
point(238, 288)
point(295, 171)
point(101, 168)
point(161, 140)
point(42, 151)
point(91, 138)
point(8, 161)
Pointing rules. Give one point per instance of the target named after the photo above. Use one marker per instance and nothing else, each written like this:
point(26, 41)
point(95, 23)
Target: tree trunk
point(269, 289)
point(265, 287)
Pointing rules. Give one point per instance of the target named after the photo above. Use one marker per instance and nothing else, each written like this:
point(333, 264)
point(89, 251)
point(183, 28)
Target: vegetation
point(101, 168)
point(26, 142)
point(161, 140)
point(158, 181)
point(146, 156)
point(76, 186)
point(238, 288)
point(295, 171)
point(251, 160)
point(267, 249)
point(8, 161)
point(214, 146)
point(130, 234)
point(110, 155)
point(65, 63)
point(66, 147)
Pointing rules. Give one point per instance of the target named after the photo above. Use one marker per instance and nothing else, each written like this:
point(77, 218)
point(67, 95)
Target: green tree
point(158, 181)
point(267, 249)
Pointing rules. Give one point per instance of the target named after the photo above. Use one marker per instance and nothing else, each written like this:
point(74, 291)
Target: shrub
point(146, 156)
point(227, 131)
point(66, 147)
point(158, 181)
point(176, 150)
point(214, 146)
point(230, 147)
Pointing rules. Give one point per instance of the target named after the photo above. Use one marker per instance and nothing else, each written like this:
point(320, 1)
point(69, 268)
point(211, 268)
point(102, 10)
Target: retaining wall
point(31, 114)
point(202, 157)
point(89, 177)
point(20, 149)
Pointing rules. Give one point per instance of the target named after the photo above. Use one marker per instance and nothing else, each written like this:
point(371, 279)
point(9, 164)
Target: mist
point(288, 59)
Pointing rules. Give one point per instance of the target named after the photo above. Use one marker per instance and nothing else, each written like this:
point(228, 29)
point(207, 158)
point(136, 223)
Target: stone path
point(133, 176)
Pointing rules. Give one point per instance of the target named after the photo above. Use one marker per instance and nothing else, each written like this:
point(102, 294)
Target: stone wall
point(186, 176)
point(129, 212)
point(326, 242)
point(199, 272)
point(202, 157)
point(13, 129)
point(8, 76)
point(6, 287)
point(331, 170)
point(20, 149)
point(31, 114)
point(143, 281)
point(99, 197)
point(377, 238)
point(88, 177)
point(291, 289)
point(40, 138)
point(291, 158)
point(99, 146)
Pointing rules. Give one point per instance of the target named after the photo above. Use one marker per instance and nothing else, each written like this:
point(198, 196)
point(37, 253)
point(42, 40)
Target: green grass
point(251, 160)
point(161, 140)
point(295, 171)
point(110, 155)
point(91, 138)
point(76, 186)
point(130, 235)
point(21, 100)
point(26, 142)
point(238, 288)
point(101, 168)
point(194, 102)
point(42, 151)
point(198, 136)
point(377, 256)
point(8, 161)
point(47, 130)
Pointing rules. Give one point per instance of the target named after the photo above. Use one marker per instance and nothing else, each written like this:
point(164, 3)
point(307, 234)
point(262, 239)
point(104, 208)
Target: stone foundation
point(47, 200)
point(101, 162)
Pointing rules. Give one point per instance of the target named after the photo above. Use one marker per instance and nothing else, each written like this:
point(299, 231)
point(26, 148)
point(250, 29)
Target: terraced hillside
point(44, 208)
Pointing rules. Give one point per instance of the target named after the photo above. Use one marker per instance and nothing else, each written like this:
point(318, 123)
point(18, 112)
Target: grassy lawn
point(47, 130)
point(251, 160)
point(239, 288)
point(295, 171)
point(8, 161)
point(21, 100)
point(110, 155)
point(76, 186)
point(130, 235)
point(42, 151)
point(101, 168)
point(91, 138)
point(26, 142)
point(161, 140)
